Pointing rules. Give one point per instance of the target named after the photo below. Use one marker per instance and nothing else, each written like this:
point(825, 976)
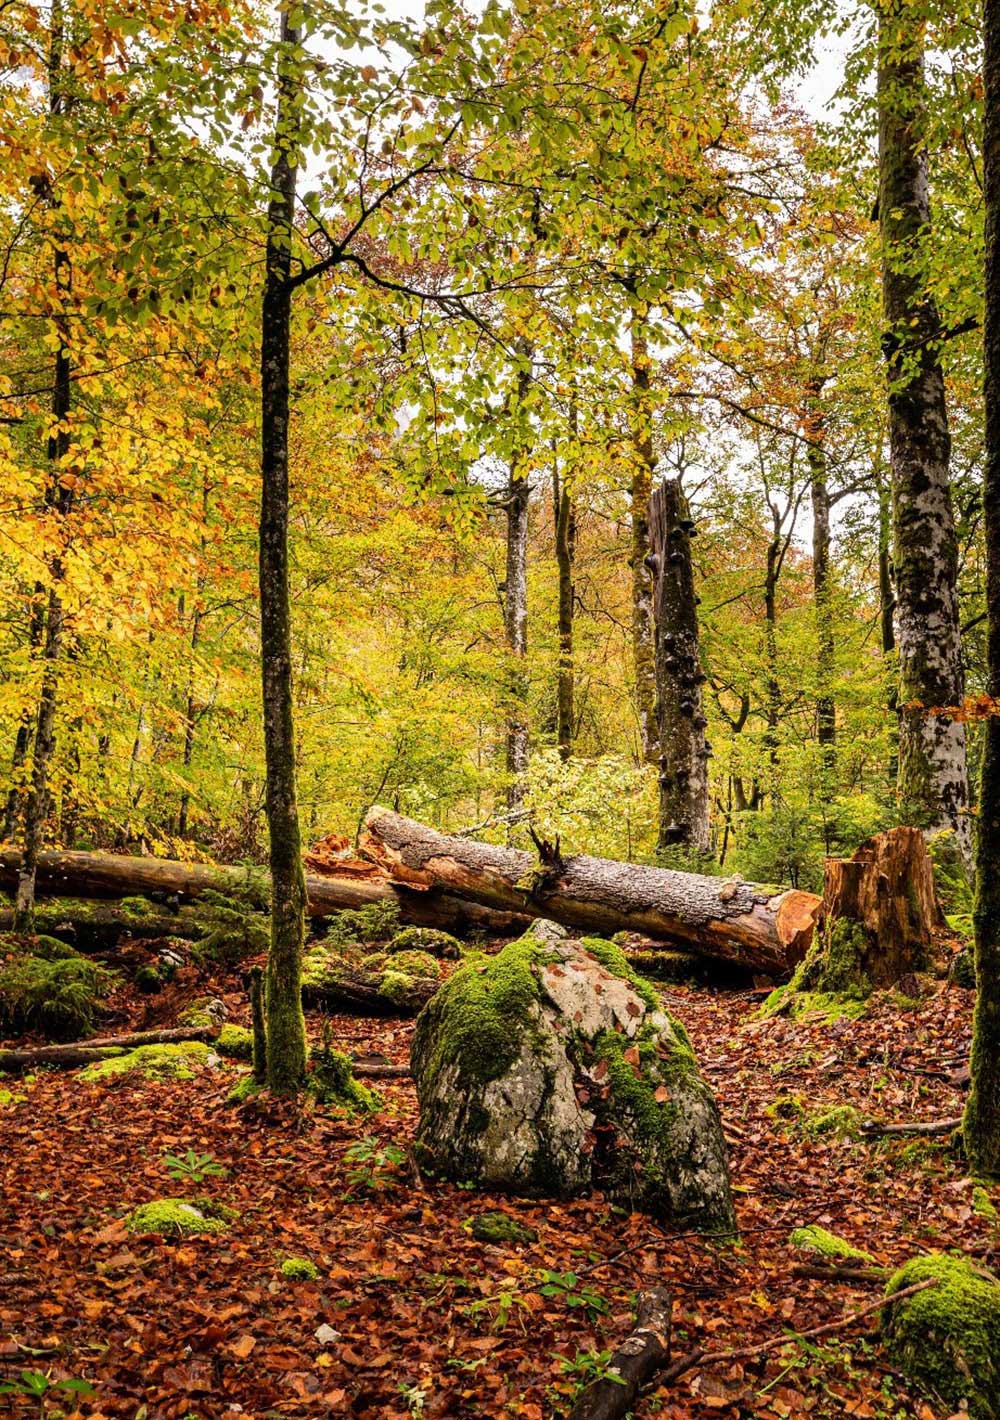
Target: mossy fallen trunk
point(379, 985)
point(551, 1069)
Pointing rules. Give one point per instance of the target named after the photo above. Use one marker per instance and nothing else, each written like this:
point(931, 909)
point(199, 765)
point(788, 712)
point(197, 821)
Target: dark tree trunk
point(679, 678)
point(565, 525)
point(982, 1112)
point(59, 501)
point(286, 1037)
point(887, 607)
point(515, 615)
point(22, 741)
point(772, 686)
point(933, 780)
point(826, 719)
point(643, 466)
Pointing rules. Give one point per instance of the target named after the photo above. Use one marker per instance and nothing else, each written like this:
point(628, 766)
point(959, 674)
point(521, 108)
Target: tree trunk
point(681, 720)
point(85, 1052)
point(22, 741)
point(515, 617)
point(933, 781)
point(982, 1112)
point(565, 525)
point(887, 607)
point(286, 1036)
point(109, 875)
point(643, 467)
point(349, 988)
point(887, 889)
point(634, 1364)
point(59, 501)
point(772, 686)
point(826, 719)
point(732, 921)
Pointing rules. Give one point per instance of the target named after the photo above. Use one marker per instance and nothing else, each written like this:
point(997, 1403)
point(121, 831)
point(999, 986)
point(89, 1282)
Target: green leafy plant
point(574, 1293)
point(60, 998)
point(500, 1307)
point(193, 1167)
point(376, 922)
point(376, 1165)
point(39, 1385)
point(415, 1397)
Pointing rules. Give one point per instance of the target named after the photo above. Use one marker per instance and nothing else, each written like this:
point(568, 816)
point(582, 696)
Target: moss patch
point(817, 1240)
point(61, 997)
point(800, 1005)
point(234, 1042)
point(500, 1227)
point(299, 1269)
point(331, 1081)
point(426, 940)
point(156, 1062)
point(947, 1339)
point(173, 1217)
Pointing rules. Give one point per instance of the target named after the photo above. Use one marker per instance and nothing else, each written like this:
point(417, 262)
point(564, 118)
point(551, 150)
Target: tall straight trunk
point(772, 686)
point(59, 501)
point(22, 740)
point(565, 524)
point(826, 716)
point(933, 778)
point(286, 1037)
point(679, 677)
point(515, 616)
point(887, 608)
point(643, 466)
point(982, 1112)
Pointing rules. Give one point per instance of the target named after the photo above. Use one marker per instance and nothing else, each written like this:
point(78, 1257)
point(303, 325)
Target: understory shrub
point(61, 997)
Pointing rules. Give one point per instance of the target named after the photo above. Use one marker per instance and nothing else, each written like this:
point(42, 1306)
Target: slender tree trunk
point(565, 523)
point(643, 466)
point(772, 686)
point(826, 718)
point(982, 1112)
point(22, 741)
point(679, 677)
point(933, 779)
point(515, 615)
point(887, 608)
point(59, 500)
point(286, 1037)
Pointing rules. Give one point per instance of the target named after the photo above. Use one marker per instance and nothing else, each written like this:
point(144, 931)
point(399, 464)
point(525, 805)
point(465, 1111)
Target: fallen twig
point(831, 1272)
point(875, 1129)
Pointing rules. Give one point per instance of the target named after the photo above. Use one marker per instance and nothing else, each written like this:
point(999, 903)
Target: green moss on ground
point(234, 1042)
point(245, 1088)
point(299, 1269)
point(497, 1227)
point(173, 1217)
point(427, 940)
point(148, 980)
point(946, 1339)
point(60, 998)
point(843, 1121)
point(983, 1205)
point(800, 1005)
point(817, 1240)
point(155, 1062)
point(331, 1080)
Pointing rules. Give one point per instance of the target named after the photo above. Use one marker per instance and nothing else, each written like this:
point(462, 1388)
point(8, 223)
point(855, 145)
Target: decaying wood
point(646, 1351)
point(887, 887)
point(841, 1272)
point(86, 1051)
point(733, 921)
point(349, 988)
point(874, 1129)
point(107, 875)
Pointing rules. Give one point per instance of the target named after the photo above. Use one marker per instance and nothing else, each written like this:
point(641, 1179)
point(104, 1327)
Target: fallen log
point(64, 873)
point(732, 921)
point(637, 1361)
point(874, 1129)
point(84, 1052)
point(342, 987)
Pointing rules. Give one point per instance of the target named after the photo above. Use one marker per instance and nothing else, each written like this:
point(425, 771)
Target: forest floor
point(412, 1317)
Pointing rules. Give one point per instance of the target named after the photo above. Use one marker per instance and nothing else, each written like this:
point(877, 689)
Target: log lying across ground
point(646, 1352)
point(732, 921)
point(85, 1052)
point(108, 875)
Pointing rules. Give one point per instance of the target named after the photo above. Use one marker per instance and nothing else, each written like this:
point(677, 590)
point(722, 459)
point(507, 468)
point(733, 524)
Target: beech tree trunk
point(887, 889)
point(680, 718)
point(887, 606)
point(732, 921)
point(982, 1112)
point(515, 615)
point(933, 779)
point(109, 875)
point(826, 719)
point(565, 527)
point(286, 1035)
point(58, 501)
point(643, 466)
point(22, 741)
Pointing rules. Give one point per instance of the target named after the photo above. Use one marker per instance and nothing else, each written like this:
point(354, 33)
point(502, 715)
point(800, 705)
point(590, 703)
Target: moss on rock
point(817, 1240)
point(962, 971)
point(148, 980)
point(299, 1269)
point(234, 1042)
point(498, 1227)
point(173, 1217)
point(175, 1061)
point(946, 1339)
point(427, 940)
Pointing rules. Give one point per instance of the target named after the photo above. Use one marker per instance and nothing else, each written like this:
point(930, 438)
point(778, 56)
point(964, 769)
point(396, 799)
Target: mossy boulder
point(551, 1068)
point(497, 1228)
point(176, 1061)
point(817, 1241)
point(173, 1217)
point(946, 1339)
point(427, 940)
point(299, 1269)
point(234, 1042)
point(148, 980)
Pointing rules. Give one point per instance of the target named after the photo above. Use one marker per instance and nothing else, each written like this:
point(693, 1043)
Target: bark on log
point(888, 888)
point(732, 921)
point(13, 1062)
point(637, 1361)
point(107, 875)
point(351, 989)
